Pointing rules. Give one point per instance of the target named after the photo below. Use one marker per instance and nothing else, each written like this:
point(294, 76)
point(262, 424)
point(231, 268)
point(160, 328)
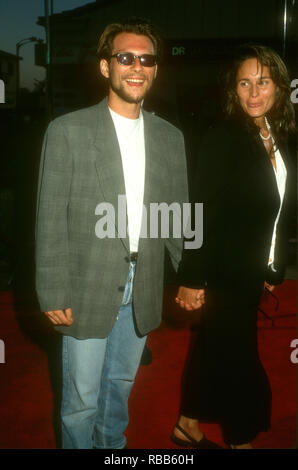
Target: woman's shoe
point(191, 442)
point(243, 446)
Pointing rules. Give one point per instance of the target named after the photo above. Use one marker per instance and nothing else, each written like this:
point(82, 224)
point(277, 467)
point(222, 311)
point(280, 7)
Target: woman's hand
point(190, 299)
point(268, 286)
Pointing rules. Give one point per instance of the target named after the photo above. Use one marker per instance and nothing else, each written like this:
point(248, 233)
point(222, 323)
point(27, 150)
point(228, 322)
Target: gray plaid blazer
point(81, 167)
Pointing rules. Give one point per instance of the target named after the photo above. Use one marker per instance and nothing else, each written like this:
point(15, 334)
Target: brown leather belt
point(133, 256)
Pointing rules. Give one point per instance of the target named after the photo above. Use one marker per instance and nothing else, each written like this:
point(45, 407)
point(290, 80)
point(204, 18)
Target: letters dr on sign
point(178, 50)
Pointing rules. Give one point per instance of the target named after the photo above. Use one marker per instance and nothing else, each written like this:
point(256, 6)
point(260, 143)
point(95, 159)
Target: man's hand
point(269, 287)
point(60, 317)
point(190, 299)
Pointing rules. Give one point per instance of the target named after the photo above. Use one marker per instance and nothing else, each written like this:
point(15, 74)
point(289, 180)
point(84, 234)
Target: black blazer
point(235, 180)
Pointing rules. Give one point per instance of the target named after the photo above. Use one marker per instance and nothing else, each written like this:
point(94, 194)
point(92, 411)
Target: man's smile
point(135, 81)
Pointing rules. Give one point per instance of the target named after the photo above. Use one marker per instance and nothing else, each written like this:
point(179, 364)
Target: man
point(104, 293)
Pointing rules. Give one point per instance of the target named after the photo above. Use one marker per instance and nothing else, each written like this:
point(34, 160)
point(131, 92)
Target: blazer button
point(121, 289)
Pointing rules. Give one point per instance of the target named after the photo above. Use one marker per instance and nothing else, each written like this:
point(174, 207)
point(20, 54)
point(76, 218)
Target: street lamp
point(49, 55)
point(19, 44)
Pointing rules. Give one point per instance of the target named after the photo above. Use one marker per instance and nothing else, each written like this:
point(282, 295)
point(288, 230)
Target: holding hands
point(268, 286)
point(190, 299)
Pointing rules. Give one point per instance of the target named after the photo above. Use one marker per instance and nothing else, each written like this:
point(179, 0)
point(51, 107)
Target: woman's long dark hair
point(281, 116)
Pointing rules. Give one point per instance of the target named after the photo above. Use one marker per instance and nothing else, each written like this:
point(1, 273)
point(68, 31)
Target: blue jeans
point(98, 375)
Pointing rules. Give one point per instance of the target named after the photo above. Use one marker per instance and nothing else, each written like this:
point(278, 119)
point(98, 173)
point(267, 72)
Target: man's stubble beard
point(121, 92)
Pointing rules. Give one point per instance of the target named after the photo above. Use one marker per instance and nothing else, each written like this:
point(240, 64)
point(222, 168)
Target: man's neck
point(127, 110)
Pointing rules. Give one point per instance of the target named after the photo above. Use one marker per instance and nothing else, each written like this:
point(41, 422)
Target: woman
point(243, 179)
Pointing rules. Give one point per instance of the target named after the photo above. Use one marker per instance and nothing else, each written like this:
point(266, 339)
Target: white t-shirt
point(281, 177)
point(130, 133)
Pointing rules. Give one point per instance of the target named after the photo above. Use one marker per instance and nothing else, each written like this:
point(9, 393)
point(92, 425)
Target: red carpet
point(27, 400)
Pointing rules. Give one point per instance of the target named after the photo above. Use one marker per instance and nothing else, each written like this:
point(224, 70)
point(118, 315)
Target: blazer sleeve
point(179, 190)
point(55, 173)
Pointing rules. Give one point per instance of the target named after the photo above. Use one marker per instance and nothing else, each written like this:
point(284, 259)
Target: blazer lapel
point(155, 168)
point(108, 162)
point(265, 159)
point(155, 174)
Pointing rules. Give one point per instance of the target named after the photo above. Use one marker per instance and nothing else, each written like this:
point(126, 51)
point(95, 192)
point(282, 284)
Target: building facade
point(199, 35)
point(8, 73)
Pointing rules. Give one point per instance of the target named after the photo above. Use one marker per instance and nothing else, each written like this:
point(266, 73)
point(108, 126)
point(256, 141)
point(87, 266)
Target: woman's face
point(255, 89)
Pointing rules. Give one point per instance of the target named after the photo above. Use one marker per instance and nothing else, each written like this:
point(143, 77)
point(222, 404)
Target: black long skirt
point(224, 380)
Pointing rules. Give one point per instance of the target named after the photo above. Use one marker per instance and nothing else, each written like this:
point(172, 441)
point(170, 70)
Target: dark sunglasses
point(128, 58)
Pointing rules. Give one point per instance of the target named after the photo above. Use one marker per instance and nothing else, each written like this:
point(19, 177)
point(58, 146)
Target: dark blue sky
point(18, 21)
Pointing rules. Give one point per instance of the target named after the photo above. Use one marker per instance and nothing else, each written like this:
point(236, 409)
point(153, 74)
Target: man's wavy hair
point(133, 25)
point(281, 116)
